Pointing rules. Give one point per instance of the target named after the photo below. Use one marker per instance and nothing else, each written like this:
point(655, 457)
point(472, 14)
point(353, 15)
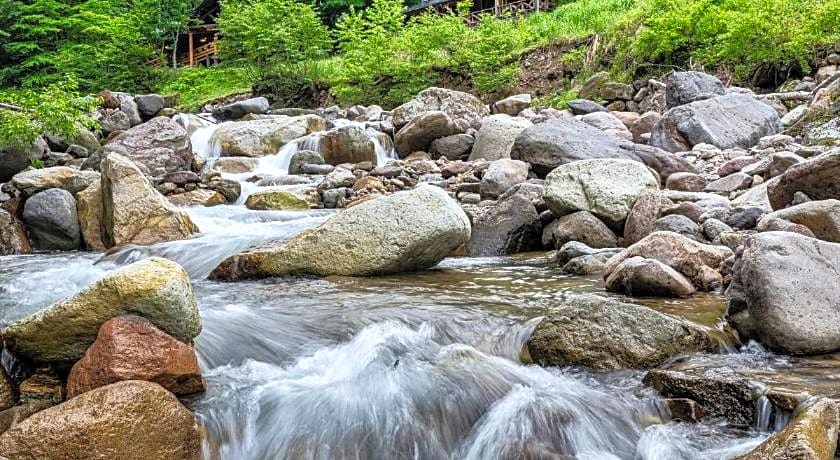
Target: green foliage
point(57, 109)
point(739, 33)
point(267, 35)
point(196, 86)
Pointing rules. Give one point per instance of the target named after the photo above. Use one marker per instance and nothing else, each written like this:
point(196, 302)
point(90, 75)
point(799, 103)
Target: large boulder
point(89, 209)
point(149, 104)
point(465, 110)
point(821, 217)
point(513, 225)
point(158, 146)
point(155, 288)
point(606, 334)
point(418, 134)
point(63, 177)
point(501, 176)
point(606, 188)
point(638, 276)
point(130, 420)
point(812, 434)
point(696, 261)
point(52, 220)
point(731, 121)
point(13, 238)
point(782, 293)
point(816, 178)
point(496, 137)
point(238, 109)
point(684, 87)
point(406, 231)
point(133, 211)
point(14, 159)
point(132, 348)
point(264, 136)
point(347, 144)
point(583, 227)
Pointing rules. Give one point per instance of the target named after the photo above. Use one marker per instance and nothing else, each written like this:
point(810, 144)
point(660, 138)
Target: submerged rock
point(132, 348)
point(406, 231)
point(155, 288)
point(606, 334)
point(131, 420)
point(783, 295)
point(133, 211)
point(812, 434)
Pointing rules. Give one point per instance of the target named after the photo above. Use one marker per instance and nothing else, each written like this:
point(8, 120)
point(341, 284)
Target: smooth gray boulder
point(606, 334)
point(730, 121)
point(496, 137)
point(237, 110)
point(149, 104)
point(52, 220)
point(684, 87)
point(784, 293)
point(403, 232)
point(606, 188)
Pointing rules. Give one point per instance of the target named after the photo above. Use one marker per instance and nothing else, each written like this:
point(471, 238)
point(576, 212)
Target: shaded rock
point(264, 136)
point(812, 434)
point(698, 262)
point(585, 106)
point(453, 147)
point(62, 177)
point(643, 125)
point(822, 218)
point(157, 147)
point(347, 144)
point(149, 104)
point(720, 392)
point(638, 276)
point(154, 288)
point(643, 215)
point(302, 157)
point(132, 348)
point(237, 110)
point(406, 231)
point(684, 87)
point(52, 220)
point(501, 175)
point(276, 200)
point(605, 334)
point(16, 414)
point(496, 137)
point(127, 420)
point(133, 211)
point(465, 110)
point(230, 189)
point(779, 294)
point(712, 228)
point(744, 218)
point(44, 386)
point(423, 128)
point(129, 107)
point(679, 224)
point(15, 159)
point(575, 249)
point(583, 227)
point(606, 188)
point(688, 209)
point(513, 225)
point(816, 177)
point(13, 238)
point(729, 121)
point(198, 197)
point(89, 210)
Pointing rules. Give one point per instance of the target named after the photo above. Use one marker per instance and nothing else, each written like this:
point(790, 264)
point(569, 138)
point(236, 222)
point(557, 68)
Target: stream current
point(416, 366)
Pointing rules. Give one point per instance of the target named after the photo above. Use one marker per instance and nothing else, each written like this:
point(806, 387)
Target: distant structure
point(198, 46)
point(498, 8)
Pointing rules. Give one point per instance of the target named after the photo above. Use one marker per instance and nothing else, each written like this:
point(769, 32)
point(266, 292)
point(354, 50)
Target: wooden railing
point(516, 8)
point(199, 54)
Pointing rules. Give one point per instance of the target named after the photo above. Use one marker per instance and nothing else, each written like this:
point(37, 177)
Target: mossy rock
point(276, 200)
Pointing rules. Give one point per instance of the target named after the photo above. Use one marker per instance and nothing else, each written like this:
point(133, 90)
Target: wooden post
point(192, 59)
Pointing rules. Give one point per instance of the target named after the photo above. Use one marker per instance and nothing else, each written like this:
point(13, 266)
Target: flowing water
point(416, 366)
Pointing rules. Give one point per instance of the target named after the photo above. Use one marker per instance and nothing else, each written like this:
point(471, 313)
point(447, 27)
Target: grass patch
point(195, 86)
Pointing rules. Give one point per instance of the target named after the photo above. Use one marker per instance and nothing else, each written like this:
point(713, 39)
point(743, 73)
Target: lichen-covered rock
point(132, 348)
point(811, 435)
point(605, 334)
point(276, 200)
point(156, 289)
point(63, 177)
point(465, 110)
point(133, 212)
point(607, 188)
point(782, 293)
point(130, 420)
point(406, 231)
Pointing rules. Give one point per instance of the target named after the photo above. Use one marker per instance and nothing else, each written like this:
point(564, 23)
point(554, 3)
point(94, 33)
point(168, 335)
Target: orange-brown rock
point(130, 420)
point(132, 348)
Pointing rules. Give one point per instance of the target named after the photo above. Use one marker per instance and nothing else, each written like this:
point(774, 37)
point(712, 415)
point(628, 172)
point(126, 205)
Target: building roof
point(425, 4)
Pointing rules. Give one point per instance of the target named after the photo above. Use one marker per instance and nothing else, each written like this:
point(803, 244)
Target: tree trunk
point(175, 51)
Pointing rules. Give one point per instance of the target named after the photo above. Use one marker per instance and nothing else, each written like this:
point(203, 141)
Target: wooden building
point(197, 47)
point(498, 8)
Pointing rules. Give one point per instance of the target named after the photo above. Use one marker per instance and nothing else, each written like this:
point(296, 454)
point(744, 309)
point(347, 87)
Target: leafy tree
point(164, 21)
point(57, 109)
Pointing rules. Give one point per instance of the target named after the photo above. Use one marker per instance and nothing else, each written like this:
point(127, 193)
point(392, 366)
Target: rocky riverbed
point(653, 273)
